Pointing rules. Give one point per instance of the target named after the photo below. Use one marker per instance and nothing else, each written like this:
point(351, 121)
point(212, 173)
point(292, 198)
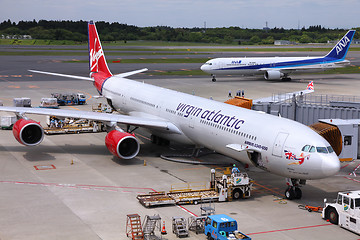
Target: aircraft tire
point(290, 193)
point(333, 216)
point(298, 193)
point(237, 194)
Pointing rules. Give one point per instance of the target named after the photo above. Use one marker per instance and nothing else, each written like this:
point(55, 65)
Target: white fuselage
point(216, 125)
point(253, 66)
point(280, 67)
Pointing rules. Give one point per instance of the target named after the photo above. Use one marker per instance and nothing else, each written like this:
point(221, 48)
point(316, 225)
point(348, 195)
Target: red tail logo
point(98, 66)
point(96, 53)
point(310, 86)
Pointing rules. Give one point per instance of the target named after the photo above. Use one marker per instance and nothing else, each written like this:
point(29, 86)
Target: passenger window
point(305, 148)
point(312, 149)
point(346, 201)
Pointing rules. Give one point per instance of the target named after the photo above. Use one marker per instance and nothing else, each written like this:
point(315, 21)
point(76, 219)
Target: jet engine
point(122, 144)
point(28, 132)
point(273, 75)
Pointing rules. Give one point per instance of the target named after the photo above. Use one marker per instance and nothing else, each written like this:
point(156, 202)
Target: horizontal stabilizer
point(63, 75)
point(123, 75)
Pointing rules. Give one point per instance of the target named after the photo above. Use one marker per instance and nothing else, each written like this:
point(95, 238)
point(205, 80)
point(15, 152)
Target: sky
point(191, 13)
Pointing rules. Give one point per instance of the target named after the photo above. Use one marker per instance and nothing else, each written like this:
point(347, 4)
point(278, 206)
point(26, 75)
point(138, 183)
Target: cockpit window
point(305, 148)
point(312, 149)
point(330, 149)
point(321, 150)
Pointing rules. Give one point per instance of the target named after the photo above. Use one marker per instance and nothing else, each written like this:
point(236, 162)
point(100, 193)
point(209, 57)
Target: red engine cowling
point(122, 144)
point(28, 132)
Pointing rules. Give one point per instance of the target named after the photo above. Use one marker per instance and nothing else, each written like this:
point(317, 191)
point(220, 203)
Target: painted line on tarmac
point(355, 169)
point(187, 211)
point(86, 187)
point(291, 229)
point(74, 108)
point(352, 179)
point(269, 189)
point(142, 136)
point(344, 166)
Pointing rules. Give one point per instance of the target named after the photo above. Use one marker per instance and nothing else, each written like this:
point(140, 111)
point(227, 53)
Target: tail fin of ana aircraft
point(339, 51)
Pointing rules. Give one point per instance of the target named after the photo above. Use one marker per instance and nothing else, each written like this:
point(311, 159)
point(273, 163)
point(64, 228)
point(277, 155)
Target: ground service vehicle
point(69, 98)
point(345, 211)
point(222, 227)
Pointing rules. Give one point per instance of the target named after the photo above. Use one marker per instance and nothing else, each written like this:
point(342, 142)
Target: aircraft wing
point(285, 96)
point(103, 117)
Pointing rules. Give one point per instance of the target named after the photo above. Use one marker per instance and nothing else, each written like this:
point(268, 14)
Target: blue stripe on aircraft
point(299, 63)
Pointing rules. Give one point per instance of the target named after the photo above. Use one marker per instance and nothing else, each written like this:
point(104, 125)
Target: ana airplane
point(276, 68)
point(277, 145)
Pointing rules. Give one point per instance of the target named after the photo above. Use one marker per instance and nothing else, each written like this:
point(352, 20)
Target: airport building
point(336, 117)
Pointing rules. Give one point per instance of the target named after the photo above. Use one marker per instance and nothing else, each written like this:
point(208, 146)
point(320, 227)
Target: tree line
point(77, 31)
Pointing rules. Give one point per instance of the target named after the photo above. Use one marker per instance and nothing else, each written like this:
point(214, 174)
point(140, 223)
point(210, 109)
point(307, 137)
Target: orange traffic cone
point(163, 230)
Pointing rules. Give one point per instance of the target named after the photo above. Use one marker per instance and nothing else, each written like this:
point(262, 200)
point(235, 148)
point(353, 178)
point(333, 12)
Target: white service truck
point(345, 211)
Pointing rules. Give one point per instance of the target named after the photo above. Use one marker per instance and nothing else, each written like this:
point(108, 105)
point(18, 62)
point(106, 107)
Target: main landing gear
point(159, 141)
point(286, 78)
point(293, 191)
point(213, 78)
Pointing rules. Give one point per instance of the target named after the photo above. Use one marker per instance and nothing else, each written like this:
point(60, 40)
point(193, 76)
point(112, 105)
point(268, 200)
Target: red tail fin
point(98, 66)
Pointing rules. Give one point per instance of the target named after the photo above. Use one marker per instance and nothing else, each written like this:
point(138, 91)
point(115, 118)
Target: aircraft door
point(279, 144)
point(191, 121)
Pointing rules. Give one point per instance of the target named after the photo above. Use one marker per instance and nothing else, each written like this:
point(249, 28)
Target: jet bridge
point(335, 117)
point(349, 130)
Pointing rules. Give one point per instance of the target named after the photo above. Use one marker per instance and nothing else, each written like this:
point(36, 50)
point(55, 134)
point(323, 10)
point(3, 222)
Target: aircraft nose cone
point(330, 165)
point(203, 67)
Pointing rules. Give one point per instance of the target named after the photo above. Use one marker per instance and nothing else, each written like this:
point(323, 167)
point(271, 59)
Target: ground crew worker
point(235, 169)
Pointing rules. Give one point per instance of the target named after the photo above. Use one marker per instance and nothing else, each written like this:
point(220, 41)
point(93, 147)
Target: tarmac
point(71, 187)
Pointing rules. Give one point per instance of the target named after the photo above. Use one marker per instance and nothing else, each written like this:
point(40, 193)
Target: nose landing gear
point(213, 78)
point(293, 191)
